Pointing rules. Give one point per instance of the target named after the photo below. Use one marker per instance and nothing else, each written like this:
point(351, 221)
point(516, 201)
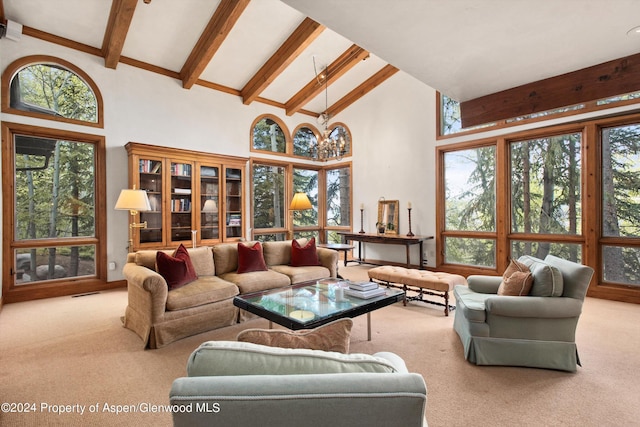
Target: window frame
point(561, 112)
point(17, 65)
point(53, 287)
point(591, 238)
point(321, 229)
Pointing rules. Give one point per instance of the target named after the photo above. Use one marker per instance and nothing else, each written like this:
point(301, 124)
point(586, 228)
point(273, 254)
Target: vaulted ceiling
point(275, 51)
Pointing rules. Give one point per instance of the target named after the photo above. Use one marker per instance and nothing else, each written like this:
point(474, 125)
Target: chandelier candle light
point(328, 147)
point(409, 234)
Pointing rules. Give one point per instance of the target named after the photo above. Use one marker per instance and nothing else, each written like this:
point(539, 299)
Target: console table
point(385, 239)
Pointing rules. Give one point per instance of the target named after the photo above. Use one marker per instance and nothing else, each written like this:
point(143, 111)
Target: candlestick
point(408, 205)
point(410, 234)
point(361, 216)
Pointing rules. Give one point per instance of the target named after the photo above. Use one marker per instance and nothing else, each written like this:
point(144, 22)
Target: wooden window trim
point(590, 238)
point(61, 287)
point(21, 63)
point(589, 107)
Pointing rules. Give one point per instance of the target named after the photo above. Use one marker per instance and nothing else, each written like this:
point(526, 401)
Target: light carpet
point(64, 355)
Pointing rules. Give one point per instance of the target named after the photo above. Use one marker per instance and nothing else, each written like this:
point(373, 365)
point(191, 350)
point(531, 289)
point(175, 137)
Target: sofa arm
point(362, 399)
point(147, 291)
point(484, 284)
point(329, 259)
point(536, 307)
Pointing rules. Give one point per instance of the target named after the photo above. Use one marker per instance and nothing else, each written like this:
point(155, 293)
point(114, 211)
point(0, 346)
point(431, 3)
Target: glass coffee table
point(311, 304)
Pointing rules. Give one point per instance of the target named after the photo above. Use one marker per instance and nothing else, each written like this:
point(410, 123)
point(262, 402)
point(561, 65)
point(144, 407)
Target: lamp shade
point(300, 202)
point(210, 206)
point(133, 200)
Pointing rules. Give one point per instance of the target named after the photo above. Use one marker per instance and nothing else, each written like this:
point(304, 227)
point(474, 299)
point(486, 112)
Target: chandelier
point(330, 146)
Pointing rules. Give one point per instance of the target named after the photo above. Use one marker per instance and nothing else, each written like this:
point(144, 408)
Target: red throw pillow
point(178, 269)
point(250, 258)
point(303, 256)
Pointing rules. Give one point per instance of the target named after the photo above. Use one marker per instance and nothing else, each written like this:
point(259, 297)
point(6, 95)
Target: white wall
point(393, 130)
point(394, 157)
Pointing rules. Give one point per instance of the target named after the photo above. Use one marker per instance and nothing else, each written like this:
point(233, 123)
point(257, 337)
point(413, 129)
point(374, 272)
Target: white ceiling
point(463, 48)
point(471, 48)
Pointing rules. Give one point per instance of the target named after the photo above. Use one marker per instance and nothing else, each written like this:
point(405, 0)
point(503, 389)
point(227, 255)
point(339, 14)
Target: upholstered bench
point(423, 282)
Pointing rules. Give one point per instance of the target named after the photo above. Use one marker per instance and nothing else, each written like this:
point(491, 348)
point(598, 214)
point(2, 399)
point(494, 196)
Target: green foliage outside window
point(268, 197)
point(269, 136)
point(339, 197)
point(56, 91)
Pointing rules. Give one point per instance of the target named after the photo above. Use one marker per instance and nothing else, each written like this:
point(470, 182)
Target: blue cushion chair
point(537, 330)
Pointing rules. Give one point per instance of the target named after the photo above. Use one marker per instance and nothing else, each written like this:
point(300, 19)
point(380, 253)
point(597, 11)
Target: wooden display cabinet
point(196, 198)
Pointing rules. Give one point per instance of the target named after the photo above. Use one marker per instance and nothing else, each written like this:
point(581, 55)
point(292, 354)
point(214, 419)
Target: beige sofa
point(160, 316)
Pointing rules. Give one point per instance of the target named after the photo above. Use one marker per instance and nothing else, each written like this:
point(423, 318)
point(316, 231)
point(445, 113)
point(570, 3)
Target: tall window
point(305, 223)
point(621, 204)
point(546, 195)
point(547, 192)
point(50, 185)
point(269, 202)
point(470, 201)
point(338, 208)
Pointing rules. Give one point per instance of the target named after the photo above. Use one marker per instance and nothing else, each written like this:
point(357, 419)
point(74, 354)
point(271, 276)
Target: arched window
point(51, 88)
point(340, 132)
point(305, 137)
point(269, 134)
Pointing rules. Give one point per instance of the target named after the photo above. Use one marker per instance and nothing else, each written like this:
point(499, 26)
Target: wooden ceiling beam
point(611, 78)
point(336, 69)
point(364, 88)
point(117, 28)
point(297, 42)
point(218, 28)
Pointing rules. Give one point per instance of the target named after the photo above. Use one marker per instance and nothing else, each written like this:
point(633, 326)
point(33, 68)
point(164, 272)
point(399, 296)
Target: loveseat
point(240, 384)
point(160, 315)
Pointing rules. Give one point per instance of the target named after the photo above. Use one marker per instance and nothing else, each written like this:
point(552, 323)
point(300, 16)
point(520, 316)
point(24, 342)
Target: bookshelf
point(187, 190)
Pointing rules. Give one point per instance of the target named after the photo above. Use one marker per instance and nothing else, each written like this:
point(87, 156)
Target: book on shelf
point(372, 293)
point(182, 190)
point(363, 286)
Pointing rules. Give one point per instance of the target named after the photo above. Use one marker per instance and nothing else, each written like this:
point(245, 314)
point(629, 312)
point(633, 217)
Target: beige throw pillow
point(334, 336)
point(516, 280)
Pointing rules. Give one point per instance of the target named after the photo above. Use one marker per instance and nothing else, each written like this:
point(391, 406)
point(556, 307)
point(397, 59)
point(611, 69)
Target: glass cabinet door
point(209, 202)
point(180, 202)
point(233, 185)
point(150, 173)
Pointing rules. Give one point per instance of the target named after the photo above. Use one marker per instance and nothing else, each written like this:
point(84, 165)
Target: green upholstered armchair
point(534, 331)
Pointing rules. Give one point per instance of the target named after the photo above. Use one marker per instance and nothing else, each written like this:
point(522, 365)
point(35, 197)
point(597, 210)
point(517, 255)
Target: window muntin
point(546, 185)
point(469, 180)
point(268, 135)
